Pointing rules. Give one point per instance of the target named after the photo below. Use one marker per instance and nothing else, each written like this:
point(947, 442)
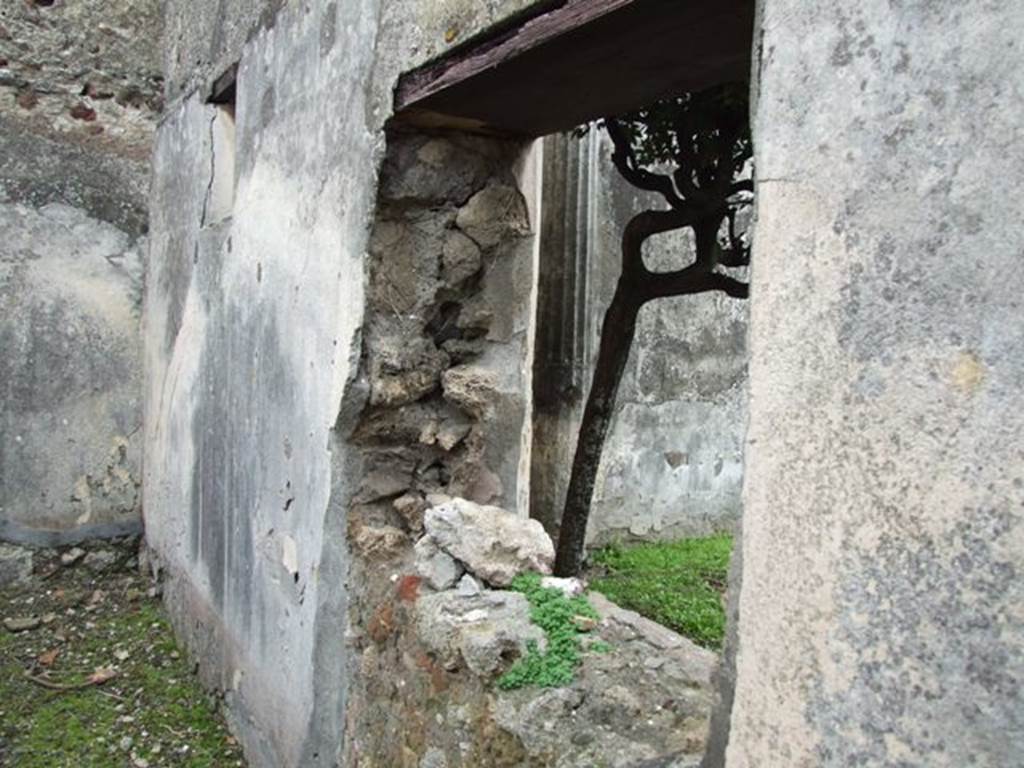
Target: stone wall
point(80, 91)
point(256, 382)
point(672, 464)
point(880, 619)
point(445, 357)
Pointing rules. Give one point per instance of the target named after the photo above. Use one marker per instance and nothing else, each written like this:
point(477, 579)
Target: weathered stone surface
point(451, 432)
point(434, 758)
point(80, 91)
point(22, 623)
point(434, 170)
point(880, 612)
point(411, 507)
point(461, 258)
point(388, 479)
point(262, 337)
point(72, 556)
point(468, 586)
point(379, 541)
point(645, 702)
point(87, 72)
point(470, 387)
point(404, 374)
point(15, 565)
point(69, 422)
point(436, 567)
point(495, 212)
point(493, 544)
point(99, 560)
point(485, 632)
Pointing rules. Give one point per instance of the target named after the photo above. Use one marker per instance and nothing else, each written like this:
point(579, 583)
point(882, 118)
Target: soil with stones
point(90, 674)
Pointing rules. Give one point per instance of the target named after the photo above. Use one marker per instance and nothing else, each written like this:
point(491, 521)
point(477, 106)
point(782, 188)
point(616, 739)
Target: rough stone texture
point(251, 325)
point(84, 69)
point(15, 565)
point(672, 463)
point(429, 666)
point(437, 568)
point(204, 40)
point(455, 351)
point(493, 544)
point(80, 90)
point(483, 632)
point(880, 617)
point(645, 702)
point(79, 95)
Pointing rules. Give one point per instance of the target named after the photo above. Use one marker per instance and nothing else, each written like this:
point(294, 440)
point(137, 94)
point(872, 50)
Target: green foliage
point(678, 584)
point(687, 129)
point(701, 135)
point(553, 612)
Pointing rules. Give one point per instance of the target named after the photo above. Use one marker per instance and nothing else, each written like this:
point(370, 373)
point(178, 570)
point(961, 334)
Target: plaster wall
point(254, 325)
point(880, 619)
point(672, 464)
point(79, 94)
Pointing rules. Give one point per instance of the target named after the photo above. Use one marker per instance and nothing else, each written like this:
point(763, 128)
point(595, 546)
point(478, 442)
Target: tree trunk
point(617, 334)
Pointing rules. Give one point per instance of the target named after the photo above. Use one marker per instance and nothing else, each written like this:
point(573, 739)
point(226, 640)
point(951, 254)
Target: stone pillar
point(881, 619)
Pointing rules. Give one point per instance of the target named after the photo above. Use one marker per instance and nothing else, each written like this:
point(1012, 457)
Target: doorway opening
point(673, 462)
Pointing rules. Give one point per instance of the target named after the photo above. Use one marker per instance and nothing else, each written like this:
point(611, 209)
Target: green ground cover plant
point(557, 615)
point(679, 584)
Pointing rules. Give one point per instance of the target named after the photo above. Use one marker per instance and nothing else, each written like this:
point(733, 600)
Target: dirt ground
point(90, 675)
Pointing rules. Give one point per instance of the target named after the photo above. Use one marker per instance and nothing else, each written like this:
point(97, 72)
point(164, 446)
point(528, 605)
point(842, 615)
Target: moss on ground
point(152, 712)
point(556, 614)
point(679, 584)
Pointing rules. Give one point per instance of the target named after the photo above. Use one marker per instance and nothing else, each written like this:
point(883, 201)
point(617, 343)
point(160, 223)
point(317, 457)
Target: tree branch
point(734, 257)
point(625, 162)
point(647, 224)
point(685, 282)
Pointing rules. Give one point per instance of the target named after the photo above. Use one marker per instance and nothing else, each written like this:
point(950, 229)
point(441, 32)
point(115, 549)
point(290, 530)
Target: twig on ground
point(52, 686)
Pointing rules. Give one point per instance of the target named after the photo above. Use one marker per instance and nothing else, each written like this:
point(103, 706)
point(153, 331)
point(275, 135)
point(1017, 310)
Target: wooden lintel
point(581, 60)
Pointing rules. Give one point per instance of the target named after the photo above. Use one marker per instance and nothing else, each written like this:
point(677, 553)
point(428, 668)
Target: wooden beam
point(579, 61)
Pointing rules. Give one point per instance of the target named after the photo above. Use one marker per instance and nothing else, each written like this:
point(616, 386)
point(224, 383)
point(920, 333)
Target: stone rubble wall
point(80, 92)
point(441, 637)
point(445, 361)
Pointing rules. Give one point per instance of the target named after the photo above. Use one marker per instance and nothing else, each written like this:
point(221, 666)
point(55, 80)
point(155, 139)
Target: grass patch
point(679, 584)
point(151, 712)
point(553, 612)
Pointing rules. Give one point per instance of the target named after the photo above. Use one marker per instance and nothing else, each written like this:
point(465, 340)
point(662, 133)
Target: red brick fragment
point(409, 588)
point(382, 623)
point(83, 112)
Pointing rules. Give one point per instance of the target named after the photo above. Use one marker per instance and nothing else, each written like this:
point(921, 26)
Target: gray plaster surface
point(880, 620)
point(70, 423)
point(80, 89)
